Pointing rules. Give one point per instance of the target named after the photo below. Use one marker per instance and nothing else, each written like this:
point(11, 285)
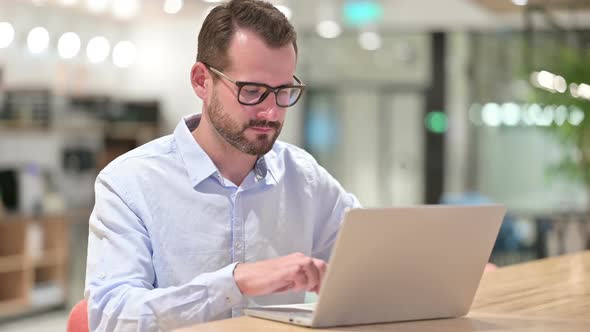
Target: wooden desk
point(546, 295)
point(556, 287)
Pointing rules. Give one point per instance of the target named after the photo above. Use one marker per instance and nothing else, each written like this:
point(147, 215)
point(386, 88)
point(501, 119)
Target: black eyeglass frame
point(240, 84)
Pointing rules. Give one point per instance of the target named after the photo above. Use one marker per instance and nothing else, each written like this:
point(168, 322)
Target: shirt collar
point(200, 166)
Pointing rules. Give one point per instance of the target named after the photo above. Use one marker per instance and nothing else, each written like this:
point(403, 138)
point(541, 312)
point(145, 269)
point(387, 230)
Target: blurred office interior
point(408, 102)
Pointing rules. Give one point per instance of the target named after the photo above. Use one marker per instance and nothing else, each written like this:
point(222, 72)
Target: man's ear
point(201, 80)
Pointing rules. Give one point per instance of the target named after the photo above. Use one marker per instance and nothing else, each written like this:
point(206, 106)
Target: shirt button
point(102, 275)
point(239, 245)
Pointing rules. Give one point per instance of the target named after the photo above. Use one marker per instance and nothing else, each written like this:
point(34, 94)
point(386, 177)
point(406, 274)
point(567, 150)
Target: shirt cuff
point(223, 290)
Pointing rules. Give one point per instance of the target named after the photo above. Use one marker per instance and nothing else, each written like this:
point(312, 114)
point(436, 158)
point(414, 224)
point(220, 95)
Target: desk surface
point(557, 287)
point(551, 295)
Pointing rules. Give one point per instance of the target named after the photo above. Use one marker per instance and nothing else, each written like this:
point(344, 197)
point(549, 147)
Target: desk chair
point(78, 319)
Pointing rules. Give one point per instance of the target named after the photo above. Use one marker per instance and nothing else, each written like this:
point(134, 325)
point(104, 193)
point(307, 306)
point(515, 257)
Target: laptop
point(400, 264)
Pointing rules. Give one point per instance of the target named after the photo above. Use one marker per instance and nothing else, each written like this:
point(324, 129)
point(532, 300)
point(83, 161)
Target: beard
point(234, 133)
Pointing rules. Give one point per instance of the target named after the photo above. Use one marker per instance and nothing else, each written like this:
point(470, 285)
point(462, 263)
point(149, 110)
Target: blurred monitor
point(9, 189)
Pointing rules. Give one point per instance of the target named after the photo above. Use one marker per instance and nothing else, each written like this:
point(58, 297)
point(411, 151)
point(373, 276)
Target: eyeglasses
point(251, 93)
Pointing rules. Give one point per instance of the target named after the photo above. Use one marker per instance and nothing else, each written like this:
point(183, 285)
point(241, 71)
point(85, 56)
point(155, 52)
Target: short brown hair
point(220, 25)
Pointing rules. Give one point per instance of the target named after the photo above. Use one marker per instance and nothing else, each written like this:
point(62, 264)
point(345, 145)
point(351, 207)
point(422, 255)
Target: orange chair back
point(78, 319)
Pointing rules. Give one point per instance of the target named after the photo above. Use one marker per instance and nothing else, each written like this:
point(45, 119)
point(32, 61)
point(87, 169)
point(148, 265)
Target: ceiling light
point(97, 6)
point(98, 49)
point(38, 40)
point(285, 10)
point(172, 6)
point(68, 3)
point(125, 9)
point(6, 34)
point(328, 29)
point(124, 54)
point(68, 45)
point(370, 40)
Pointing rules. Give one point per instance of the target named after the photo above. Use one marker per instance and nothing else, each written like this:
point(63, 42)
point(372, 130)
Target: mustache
point(264, 124)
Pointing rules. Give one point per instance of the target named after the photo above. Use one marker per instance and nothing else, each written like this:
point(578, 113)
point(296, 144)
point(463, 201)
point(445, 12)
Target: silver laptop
point(400, 264)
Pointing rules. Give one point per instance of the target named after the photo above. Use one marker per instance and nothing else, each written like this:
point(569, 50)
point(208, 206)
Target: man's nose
point(268, 109)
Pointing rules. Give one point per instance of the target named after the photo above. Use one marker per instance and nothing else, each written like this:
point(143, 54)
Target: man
point(195, 226)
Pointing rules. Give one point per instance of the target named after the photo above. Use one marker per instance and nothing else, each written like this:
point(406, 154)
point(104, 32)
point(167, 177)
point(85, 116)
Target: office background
point(408, 102)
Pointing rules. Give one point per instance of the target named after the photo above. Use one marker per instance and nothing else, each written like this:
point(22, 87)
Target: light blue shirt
point(167, 231)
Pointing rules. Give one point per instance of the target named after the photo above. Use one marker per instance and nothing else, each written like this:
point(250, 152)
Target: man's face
point(251, 129)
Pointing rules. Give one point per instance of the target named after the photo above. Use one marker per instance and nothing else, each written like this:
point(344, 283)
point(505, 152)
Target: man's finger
point(322, 268)
point(300, 279)
point(287, 287)
point(312, 273)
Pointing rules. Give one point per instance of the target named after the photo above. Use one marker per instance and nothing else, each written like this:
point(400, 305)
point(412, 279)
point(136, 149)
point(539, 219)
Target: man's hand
point(490, 267)
point(295, 272)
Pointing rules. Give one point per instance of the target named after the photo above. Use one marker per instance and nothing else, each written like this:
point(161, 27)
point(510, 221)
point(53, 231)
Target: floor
point(54, 321)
